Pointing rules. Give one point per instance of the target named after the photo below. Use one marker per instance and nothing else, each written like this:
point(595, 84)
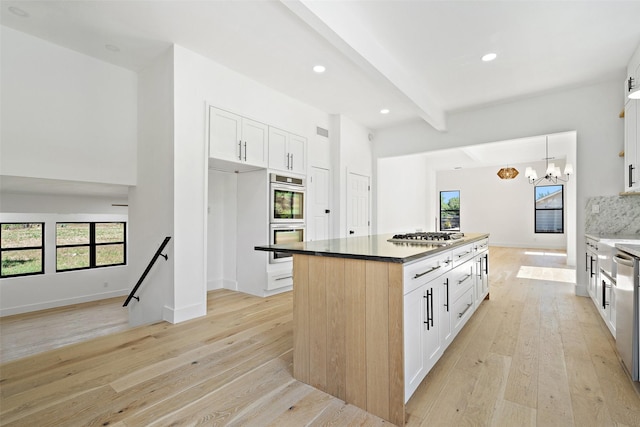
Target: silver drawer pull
point(426, 272)
point(463, 254)
point(463, 280)
point(284, 278)
point(465, 310)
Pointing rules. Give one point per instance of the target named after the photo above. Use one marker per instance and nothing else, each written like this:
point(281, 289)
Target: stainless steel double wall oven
point(287, 214)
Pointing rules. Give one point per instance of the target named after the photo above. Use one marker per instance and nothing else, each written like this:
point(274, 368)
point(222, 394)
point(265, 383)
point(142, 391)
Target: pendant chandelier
point(508, 173)
point(552, 172)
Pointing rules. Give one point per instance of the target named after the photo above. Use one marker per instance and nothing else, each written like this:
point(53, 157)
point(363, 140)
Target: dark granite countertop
point(629, 248)
point(372, 248)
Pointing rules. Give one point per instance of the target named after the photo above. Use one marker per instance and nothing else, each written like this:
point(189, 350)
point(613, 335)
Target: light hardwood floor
point(534, 354)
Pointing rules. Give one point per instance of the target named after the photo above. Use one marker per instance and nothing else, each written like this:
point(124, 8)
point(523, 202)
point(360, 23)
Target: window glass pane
point(549, 221)
point(109, 254)
point(449, 210)
point(108, 232)
point(72, 233)
point(21, 262)
point(549, 196)
point(21, 235)
point(72, 257)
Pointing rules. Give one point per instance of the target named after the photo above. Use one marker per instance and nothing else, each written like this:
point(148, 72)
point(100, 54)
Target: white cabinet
point(607, 303)
point(287, 151)
point(631, 146)
point(481, 250)
point(421, 334)
point(592, 268)
point(632, 127)
point(440, 295)
point(237, 139)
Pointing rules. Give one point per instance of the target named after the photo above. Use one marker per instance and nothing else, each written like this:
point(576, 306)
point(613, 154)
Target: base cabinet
point(437, 309)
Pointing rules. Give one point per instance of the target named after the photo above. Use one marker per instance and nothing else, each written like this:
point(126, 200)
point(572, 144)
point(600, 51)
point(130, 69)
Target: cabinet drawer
point(462, 254)
point(423, 271)
point(461, 278)
point(462, 309)
point(481, 246)
point(277, 280)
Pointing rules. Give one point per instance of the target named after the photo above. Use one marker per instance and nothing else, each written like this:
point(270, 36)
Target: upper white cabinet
point(237, 139)
point(631, 146)
point(632, 127)
point(286, 151)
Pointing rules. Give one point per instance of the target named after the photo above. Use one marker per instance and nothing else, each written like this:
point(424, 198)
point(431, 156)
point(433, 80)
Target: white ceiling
point(420, 59)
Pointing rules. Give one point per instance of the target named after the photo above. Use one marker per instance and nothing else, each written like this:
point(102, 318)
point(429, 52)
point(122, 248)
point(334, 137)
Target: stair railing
point(146, 271)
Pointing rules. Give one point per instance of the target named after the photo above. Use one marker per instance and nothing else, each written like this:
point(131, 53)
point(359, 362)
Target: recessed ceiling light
point(319, 69)
point(489, 57)
point(112, 47)
point(18, 12)
point(384, 111)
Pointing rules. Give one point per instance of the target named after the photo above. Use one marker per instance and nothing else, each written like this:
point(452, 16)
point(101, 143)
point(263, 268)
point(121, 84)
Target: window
point(450, 210)
point(22, 249)
point(81, 245)
point(549, 211)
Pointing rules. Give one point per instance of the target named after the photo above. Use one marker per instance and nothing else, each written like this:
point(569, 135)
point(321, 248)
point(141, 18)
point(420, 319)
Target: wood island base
point(347, 331)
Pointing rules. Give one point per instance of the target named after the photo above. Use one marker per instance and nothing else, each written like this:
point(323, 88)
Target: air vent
point(322, 132)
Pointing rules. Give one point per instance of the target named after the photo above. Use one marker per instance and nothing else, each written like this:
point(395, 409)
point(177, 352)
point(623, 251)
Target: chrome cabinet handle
point(426, 272)
point(284, 278)
point(446, 283)
point(465, 310)
point(245, 151)
point(465, 279)
point(239, 150)
point(463, 254)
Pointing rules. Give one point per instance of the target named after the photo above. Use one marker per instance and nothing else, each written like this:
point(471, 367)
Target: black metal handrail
point(146, 271)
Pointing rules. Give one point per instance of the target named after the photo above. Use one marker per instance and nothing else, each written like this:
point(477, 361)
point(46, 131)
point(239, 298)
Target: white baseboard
point(182, 314)
point(62, 302)
point(215, 284)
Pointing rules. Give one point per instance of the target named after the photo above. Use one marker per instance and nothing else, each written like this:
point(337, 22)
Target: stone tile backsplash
point(618, 215)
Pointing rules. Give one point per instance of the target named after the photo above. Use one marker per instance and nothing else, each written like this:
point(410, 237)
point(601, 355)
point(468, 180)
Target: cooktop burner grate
point(427, 237)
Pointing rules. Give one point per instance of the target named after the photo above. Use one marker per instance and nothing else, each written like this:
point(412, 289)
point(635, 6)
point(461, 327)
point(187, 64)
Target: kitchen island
point(370, 317)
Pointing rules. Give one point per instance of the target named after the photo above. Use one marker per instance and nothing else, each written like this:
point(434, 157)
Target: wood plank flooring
point(532, 355)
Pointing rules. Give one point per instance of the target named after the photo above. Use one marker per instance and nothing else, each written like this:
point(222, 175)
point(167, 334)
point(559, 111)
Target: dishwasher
point(627, 318)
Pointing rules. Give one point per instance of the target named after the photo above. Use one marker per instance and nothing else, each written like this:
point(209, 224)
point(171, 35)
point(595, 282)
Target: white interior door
point(319, 197)
point(358, 189)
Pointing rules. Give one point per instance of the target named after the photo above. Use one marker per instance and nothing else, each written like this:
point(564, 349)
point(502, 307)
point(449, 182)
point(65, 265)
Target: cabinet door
point(296, 151)
point(445, 310)
point(631, 173)
point(225, 134)
point(278, 155)
point(414, 352)
point(254, 142)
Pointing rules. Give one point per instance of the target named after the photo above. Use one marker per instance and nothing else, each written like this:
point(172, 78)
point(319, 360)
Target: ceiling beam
point(334, 22)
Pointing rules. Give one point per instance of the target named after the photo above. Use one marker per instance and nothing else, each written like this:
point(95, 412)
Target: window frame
point(93, 245)
point(535, 209)
point(449, 210)
point(24, 248)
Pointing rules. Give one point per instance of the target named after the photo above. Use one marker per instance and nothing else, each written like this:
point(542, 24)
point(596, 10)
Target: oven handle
point(623, 260)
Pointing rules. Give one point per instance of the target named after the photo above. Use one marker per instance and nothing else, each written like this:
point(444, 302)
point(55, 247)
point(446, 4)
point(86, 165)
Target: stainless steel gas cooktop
point(428, 237)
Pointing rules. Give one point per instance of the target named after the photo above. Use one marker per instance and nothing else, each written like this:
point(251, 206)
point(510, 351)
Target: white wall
point(402, 195)
point(591, 110)
point(151, 200)
point(65, 115)
point(352, 153)
point(221, 230)
point(503, 208)
point(52, 289)
point(201, 82)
